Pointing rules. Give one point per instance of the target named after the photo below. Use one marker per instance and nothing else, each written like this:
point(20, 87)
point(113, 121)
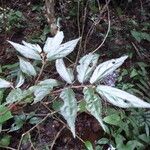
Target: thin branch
point(78, 18)
point(55, 117)
point(106, 33)
point(32, 146)
point(83, 26)
point(135, 47)
point(87, 36)
point(27, 132)
point(97, 22)
point(41, 70)
point(8, 148)
point(72, 87)
point(56, 137)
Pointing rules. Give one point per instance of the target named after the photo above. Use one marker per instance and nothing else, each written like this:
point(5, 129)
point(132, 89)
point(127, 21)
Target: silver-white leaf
point(20, 80)
point(53, 44)
point(40, 93)
point(49, 83)
point(86, 66)
point(69, 108)
point(63, 50)
point(93, 105)
point(4, 83)
point(26, 67)
point(34, 47)
point(121, 98)
point(26, 51)
point(43, 88)
point(106, 68)
point(65, 73)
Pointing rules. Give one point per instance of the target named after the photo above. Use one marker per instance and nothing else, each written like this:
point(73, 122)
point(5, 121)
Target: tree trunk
point(50, 15)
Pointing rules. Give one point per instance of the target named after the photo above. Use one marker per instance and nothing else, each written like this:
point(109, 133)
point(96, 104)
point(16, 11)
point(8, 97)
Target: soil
point(53, 131)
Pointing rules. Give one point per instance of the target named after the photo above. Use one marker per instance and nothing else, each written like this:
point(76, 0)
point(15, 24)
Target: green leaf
point(10, 66)
point(1, 71)
point(140, 36)
point(19, 122)
point(26, 67)
point(93, 104)
point(106, 68)
point(82, 106)
point(5, 114)
point(34, 120)
point(17, 95)
point(103, 141)
point(136, 35)
point(69, 109)
point(1, 95)
point(121, 98)
point(57, 105)
point(113, 119)
point(88, 145)
point(144, 138)
point(5, 84)
point(131, 145)
point(147, 129)
point(133, 73)
point(86, 66)
point(5, 140)
point(65, 73)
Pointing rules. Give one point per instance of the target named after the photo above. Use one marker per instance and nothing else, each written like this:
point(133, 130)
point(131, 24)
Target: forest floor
point(27, 21)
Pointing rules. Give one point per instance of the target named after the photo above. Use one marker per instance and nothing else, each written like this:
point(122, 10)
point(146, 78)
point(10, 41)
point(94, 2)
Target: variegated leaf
point(4, 83)
point(121, 98)
point(65, 73)
point(53, 44)
point(34, 47)
point(106, 68)
point(69, 109)
point(26, 67)
point(43, 88)
point(93, 105)
point(63, 50)
point(86, 66)
point(26, 51)
point(20, 80)
point(17, 95)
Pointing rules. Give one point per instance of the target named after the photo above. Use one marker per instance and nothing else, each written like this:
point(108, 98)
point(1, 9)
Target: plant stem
point(72, 87)
point(27, 132)
point(41, 71)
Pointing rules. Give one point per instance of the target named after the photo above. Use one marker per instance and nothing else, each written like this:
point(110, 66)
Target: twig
point(32, 146)
point(6, 147)
point(78, 18)
point(56, 137)
point(83, 26)
point(68, 128)
point(96, 23)
point(48, 115)
point(72, 87)
point(55, 117)
point(106, 33)
point(41, 71)
point(141, 5)
point(136, 49)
